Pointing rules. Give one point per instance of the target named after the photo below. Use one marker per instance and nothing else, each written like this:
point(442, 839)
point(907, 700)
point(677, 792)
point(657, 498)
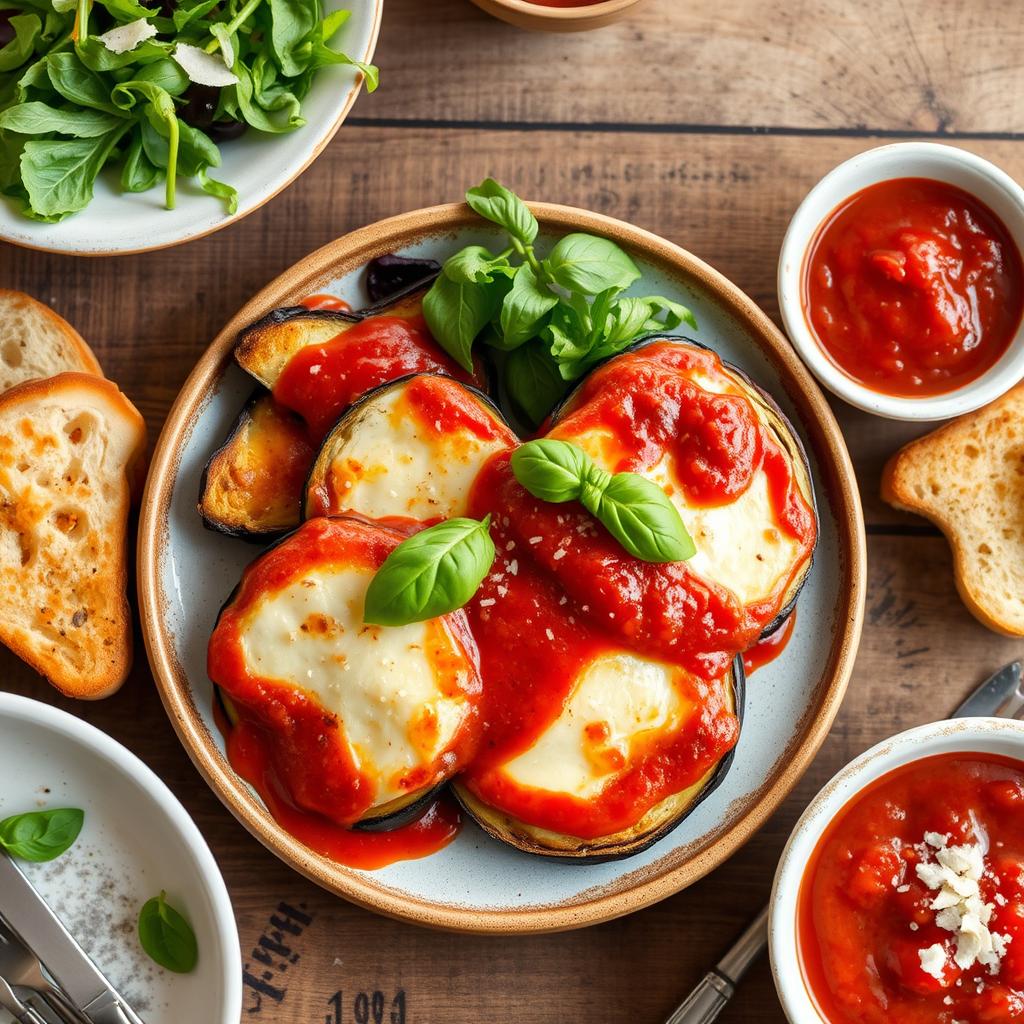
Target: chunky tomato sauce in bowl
point(901, 281)
point(900, 896)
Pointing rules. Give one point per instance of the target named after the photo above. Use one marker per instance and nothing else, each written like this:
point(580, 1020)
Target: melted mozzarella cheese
point(396, 708)
point(618, 701)
point(394, 464)
point(739, 544)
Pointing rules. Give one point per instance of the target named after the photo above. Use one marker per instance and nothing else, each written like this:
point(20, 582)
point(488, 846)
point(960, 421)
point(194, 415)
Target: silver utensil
point(1000, 696)
point(20, 967)
point(38, 928)
point(21, 1012)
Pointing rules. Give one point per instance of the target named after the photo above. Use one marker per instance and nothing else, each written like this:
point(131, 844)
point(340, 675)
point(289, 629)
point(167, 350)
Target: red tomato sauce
point(436, 827)
point(320, 381)
point(864, 915)
point(285, 742)
point(525, 608)
point(331, 302)
point(767, 649)
point(913, 287)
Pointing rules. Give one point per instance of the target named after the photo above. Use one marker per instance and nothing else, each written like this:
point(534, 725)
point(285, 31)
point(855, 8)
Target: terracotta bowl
point(524, 14)
point(475, 883)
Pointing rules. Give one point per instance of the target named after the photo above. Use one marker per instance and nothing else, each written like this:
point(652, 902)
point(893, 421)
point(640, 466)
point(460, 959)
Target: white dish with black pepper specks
point(137, 839)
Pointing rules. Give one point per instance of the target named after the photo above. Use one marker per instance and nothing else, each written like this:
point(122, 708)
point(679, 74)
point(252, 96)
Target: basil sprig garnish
point(555, 317)
point(635, 511)
point(39, 836)
point(167, 937)
point(432, 573)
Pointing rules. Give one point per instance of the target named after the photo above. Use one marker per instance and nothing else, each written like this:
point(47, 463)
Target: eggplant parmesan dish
point(535, 675)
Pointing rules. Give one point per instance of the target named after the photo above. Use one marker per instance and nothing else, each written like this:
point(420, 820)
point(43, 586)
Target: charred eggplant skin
point(211, 521)
point(792, 440)
point(631, 849)
point(390, 274)
point(319, 465)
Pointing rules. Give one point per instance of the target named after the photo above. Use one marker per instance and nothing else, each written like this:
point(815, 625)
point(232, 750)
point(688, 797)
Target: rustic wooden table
point(705, 122)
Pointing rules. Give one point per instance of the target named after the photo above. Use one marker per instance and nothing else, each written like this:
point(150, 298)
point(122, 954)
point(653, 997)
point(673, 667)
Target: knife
point(30, 918)
point(1000, 696)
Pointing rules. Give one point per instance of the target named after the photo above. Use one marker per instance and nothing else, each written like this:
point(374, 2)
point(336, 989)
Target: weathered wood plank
point(920, 65)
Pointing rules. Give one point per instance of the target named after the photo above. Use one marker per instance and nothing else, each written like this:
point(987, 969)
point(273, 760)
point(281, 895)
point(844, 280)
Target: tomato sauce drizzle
point(766, 650)
point(320, 381)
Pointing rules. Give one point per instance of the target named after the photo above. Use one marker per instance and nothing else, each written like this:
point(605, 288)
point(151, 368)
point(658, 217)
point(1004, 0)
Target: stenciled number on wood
point(366, 1008)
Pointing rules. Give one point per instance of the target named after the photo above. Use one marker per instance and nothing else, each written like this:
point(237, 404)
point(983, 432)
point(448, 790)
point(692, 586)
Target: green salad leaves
point(85, 84)
point(552, 317)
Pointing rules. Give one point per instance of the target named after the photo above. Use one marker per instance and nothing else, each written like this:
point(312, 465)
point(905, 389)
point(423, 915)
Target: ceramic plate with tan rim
point(475, 883)
point(258, 165)
point(554, 17)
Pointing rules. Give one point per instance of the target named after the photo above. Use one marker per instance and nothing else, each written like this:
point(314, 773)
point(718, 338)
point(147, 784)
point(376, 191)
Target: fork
point(21, 1012)
point(20, 968)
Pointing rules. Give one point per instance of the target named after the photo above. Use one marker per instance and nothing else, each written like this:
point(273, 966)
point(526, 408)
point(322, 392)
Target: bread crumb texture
point(968, 478)
point(64, 502)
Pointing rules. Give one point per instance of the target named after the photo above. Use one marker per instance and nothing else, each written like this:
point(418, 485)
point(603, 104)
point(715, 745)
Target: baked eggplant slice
point(252, 485)
point(389, 275)
point(410, 449)
point(623, 713)
point(671, 410)
point(360, 723)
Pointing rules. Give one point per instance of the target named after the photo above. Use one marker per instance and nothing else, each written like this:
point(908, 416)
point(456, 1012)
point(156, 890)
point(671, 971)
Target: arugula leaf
point(291, 21)
point(167, 937)
point(37, 118)
point(432, 573)
point(524, 308)
point(588, 264)
point(218, 188)
point(95, 56)
point(322, 56)
point(77, 83)
point(184, 15)
point(533, 382)
point(40, 836)
point(456, 312)
point(496, 203)
point(127, 10)
point(59, 176)
point(138, 172)
point(27, 29)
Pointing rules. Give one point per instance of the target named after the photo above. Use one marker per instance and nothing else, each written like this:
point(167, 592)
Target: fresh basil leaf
point(432, 573)
point(640, 516)
point(220, 189)
point(27, 29)
point(533, 382)
point(36, 118)
point(138, 172)
point(456, 312)
point(39, 836)
point(524, 308)
point(167, 937)
point(551, 470)
point(588, 264)
point(472, 265)
point(496, 203)
point(77, 83)
point(291, 21)
point(567, 337)
point(664, 313)
point(59, 176)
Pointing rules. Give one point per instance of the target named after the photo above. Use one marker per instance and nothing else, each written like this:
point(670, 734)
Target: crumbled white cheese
point(954, 876)
point(203, 68)
point(123, 38)
point(933, 961)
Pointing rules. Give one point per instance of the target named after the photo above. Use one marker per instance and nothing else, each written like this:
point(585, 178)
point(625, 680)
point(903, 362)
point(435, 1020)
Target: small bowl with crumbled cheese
point(900, 896)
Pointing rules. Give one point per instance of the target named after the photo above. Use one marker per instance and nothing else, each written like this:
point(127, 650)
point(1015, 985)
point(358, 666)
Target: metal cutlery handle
point(716, 988)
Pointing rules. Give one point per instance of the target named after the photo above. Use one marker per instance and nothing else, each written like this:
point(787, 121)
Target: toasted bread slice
point(70, 446)
point(967, 477)
point(35, 342)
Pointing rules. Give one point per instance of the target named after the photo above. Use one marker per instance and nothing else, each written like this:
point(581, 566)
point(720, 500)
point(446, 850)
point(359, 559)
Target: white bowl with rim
point(983, 180)
point(967, 736)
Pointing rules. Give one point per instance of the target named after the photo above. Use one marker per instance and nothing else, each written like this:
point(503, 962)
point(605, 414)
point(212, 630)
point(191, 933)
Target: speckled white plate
point(137, 839)
point(258, 164)
point(185, 573)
